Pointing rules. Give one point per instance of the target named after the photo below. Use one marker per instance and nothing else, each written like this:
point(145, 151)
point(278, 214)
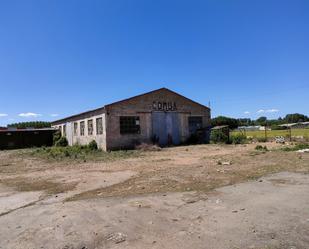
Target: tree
point(295, 118)
point(261, 121)
point(32, 124)
point(221, 120)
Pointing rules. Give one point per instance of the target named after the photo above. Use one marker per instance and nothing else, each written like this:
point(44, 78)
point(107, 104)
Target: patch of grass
point(274, 133)
point(27, 184)
point(81, 153)
point(261, 148)
point(238, 139)
point(296, 147)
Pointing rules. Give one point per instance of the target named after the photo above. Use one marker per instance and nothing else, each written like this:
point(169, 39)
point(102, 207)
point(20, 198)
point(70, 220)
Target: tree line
point(234, 123)
point(32, 124)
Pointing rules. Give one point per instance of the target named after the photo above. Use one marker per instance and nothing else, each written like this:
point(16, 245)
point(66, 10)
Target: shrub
point(296, 147)
point(62, 142)
point(56, 137)
point(238, 139)
point(217, 136)
point(261, 148)
point(93, 145)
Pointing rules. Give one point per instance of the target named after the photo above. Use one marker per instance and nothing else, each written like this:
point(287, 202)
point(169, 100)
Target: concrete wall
point(85, 139)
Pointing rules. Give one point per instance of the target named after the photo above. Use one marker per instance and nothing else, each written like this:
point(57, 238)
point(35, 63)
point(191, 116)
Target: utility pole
point(265, 127)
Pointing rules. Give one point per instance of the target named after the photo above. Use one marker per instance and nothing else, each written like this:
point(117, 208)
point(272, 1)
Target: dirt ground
point(205, 196)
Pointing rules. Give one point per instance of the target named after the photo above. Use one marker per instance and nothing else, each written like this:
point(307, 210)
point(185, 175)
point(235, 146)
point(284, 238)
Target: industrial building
point(161, 116)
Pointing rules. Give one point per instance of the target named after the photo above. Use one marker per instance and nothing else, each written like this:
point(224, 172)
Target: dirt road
point(167, 199)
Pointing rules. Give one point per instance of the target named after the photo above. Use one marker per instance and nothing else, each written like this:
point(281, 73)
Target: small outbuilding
point(161, 116)
point(12, 138)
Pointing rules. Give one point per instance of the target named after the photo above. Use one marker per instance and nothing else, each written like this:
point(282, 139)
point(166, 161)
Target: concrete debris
point(117, 237)
point(227, 163)
point(303, 151)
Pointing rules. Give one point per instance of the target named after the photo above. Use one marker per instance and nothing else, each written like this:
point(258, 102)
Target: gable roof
point(70, 118)
point(154, 91)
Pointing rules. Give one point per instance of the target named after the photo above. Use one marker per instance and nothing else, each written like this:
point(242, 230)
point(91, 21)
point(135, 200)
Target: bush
point(238, 139)
point(62, 142)
point(93, 145)
point(56, 136)
point(81, 153)
point(217, 136)
point(261, 148)
point(296, 147)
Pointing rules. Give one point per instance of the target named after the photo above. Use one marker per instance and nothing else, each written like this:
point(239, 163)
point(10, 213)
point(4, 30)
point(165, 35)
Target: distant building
point(160, 116)
point(12, 138)
point(300, 125)
point(253, 128)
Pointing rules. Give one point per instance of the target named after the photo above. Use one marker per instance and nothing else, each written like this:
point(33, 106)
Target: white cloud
point(3, 115)
point(268, 111)
point(29, 115)
point(272, 110)
point(246, 112)
point(54, 115)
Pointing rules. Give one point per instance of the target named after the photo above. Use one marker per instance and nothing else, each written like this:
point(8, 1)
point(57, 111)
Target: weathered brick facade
point(162, 112)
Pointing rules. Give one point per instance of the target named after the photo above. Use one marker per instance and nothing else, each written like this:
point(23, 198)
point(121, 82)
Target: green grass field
point(274, 133)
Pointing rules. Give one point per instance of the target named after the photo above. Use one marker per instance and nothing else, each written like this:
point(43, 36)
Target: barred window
point(82, 128)
point(90, 127)
point(99, 126)
point(195, 123)
point(75, 128)
point(130, 125)
point(64, 132)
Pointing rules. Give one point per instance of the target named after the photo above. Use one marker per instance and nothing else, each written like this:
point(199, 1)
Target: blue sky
point(61, 57)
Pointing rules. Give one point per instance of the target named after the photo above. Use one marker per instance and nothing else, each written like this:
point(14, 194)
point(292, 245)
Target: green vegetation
point(93, 145)
point(81, 153)
point(34, 124)
point(296, 147)
point(217, 136)
point(261, 148)
point(274, 133)
point(61, 142)
point(56, 136)
point(238, 139)
point(234, 123)
point(221, 120)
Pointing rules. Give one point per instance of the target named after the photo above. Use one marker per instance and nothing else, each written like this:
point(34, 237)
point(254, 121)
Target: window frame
point(90, 127)
point(64, 130)
point(99, 131)
point(75, 128)
point(82, 128)
point(129, 125)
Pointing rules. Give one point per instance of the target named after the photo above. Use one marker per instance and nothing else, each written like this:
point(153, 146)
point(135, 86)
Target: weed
point(296, 147)
point(261, 148)
point(81, 153)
